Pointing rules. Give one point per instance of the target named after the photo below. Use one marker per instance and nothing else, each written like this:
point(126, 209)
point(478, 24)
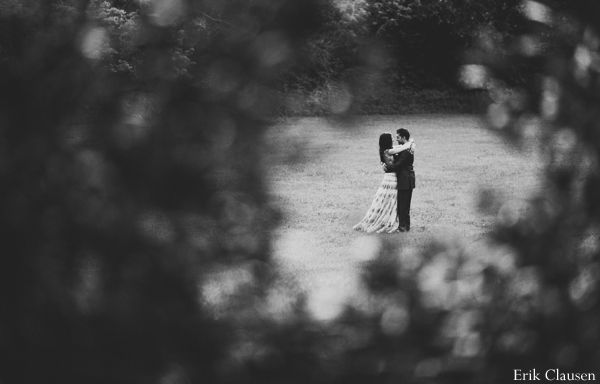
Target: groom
point(403, 166)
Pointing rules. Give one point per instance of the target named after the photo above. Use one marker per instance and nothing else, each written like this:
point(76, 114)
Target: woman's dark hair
point(385, 142)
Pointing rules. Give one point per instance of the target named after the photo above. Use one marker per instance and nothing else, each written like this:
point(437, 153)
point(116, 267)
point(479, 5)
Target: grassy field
point(336, 172)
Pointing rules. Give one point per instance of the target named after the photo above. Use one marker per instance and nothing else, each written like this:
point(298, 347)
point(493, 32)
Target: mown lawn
point(330, 189)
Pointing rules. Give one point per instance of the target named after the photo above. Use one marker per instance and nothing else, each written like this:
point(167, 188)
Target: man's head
point(402, 135)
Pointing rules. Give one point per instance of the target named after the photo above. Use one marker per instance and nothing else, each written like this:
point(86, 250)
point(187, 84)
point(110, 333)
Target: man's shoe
point(402, 229)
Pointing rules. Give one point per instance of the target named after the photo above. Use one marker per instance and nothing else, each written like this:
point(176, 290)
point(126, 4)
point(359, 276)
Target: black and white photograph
point(299, 191)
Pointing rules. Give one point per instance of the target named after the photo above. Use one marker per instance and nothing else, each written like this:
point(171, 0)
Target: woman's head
point(385, 141)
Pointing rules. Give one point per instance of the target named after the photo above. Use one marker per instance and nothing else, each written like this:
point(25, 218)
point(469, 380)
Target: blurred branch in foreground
point(134, 217)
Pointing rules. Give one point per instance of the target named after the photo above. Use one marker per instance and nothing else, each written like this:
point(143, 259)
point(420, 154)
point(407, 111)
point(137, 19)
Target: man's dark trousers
point(404, 198)
point(405, 175)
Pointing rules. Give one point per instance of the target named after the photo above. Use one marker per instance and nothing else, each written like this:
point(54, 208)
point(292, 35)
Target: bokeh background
point(136, 220)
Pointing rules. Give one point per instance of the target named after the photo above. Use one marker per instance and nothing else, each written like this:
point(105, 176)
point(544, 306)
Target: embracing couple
point(390, 210)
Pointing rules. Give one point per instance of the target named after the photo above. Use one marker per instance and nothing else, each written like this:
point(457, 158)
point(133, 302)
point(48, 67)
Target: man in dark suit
point(403, 166)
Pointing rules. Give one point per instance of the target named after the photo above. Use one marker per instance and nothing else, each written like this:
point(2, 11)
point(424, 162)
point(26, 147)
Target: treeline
point(398, 55)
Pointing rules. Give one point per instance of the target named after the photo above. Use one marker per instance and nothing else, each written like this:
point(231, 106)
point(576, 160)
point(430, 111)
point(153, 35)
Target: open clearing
point(335, 171)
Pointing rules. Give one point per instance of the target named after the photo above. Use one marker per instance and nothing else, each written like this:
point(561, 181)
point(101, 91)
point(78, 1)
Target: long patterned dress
point(382, 216)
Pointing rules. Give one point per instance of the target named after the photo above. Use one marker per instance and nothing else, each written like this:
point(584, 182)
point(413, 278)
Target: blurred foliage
point(135, 218)
point(555, 236)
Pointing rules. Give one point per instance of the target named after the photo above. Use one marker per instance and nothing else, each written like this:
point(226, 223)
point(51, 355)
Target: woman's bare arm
point(399, 148)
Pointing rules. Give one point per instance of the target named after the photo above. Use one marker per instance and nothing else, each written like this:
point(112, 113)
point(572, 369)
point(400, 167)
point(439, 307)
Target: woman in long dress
point(382, 216)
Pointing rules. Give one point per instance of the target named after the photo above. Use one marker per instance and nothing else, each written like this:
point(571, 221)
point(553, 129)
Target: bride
point(382, 216)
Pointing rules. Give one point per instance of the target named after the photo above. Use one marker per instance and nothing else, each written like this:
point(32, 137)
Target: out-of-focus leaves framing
point(548, 109)
point(133, 200)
